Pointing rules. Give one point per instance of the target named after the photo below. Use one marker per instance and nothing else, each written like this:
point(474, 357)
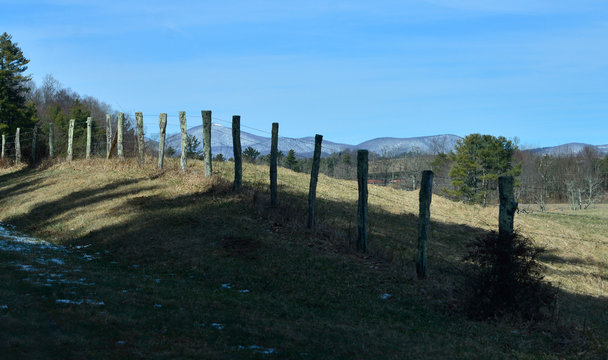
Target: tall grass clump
point(504, 278)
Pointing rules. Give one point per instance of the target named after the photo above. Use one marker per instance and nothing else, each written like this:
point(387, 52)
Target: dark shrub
point(504, 278)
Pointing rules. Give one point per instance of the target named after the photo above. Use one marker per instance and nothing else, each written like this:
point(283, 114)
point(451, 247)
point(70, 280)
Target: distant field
point(186, 268)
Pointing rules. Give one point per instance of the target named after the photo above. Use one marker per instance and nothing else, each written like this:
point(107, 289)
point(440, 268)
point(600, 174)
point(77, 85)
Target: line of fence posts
point(238, 154)
point(274, 144)
point(314, 178)
point(162, 124)
point(206, 115)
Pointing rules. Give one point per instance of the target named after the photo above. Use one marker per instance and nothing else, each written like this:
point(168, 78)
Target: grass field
point(153, 264)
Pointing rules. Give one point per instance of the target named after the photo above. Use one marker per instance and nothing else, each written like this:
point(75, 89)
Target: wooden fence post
point(184, 129)
point(34, 136)
point(162, 124)
point(108, 135)
point(3, 146)
point(17, 146)
point(120, 135)
point(71, 140)
point(314, 177)
point(424, 199)
point(507, 207)
point(51, 140)
point(89, 129)
point(206, 114)
point(362, 166)
point(238, 153)
point(141, 145)
point(274, 151)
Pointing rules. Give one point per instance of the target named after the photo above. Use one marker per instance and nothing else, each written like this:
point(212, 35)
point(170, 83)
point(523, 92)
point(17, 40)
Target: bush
point(504, 278)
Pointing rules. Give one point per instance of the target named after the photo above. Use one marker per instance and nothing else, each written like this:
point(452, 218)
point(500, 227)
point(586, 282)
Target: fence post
point(34, 136)
point(3, 145)
point(424, 199)
point(274, 151)
point(206, 114)
point(184, 129)
point(17, 146)
point(506, 210)
point(362, 166)
point(71, 139)
point(314, 177)
point(141, 145)
point(120, 135)
point(162, 124)
point(238, 153)
point(51, 140)
point(108, 135)
point(89, 128)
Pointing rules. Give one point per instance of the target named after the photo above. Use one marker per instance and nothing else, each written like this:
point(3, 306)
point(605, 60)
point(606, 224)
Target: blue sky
point(350, 70)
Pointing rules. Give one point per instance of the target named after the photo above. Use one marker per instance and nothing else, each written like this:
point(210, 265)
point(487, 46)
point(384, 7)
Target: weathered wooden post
point(3, 146)
point(120, 135)
point(184, 129)
point(314, 177)
point(17, 146)
point(506, 210)
point(71, 140)
point(424, 198)
point(108, 135)
point(51, 140)
point(362, 166)
point(141, 145)
point(34, 136)
point(274, 151)
point(89, 130)
point(162, 124)
point(238, 153)
point(206, 114)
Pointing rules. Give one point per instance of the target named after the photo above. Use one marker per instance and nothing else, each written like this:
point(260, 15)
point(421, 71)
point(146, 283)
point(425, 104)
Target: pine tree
point(13, 87)
point(290, 160)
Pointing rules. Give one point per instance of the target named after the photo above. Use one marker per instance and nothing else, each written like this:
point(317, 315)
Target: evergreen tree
point(478, 162)
point(14, 111)
point(192, 143)
point(250, 154)
point(291, 161)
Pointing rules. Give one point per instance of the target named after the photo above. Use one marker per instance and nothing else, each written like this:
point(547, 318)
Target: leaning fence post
point(141, 146)
point(162, 124)
point(3, 145)
point(362, 166)
point(120, 135)
point(71, 140)
point(274, 144)
point(184, 129)
point(424, 199)
point(314, 177)
point(89, 128)
point(51, 140)
point(17, 146)
point(108, 135)
point(238, 153)
point(506, 210)
point(34, 136)
point(206, 114)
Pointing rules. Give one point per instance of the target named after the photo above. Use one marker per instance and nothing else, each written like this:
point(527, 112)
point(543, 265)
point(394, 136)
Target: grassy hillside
point(185, 268)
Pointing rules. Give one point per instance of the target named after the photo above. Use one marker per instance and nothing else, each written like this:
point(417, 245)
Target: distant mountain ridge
point(221, 143)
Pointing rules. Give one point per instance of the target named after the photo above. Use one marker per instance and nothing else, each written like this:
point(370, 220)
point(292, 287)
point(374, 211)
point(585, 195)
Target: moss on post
point(3, 146)
point(162, 124)
point(314, 177)
point(17, 146)
point(274, 151)
point(184, 129)
point(362, 225)
point(89, 129)
point(141, 145)
point(108, 135)
point(51, 140)
point(238, 153)
point(71, 140)
point(424, 199)
point(206, 114)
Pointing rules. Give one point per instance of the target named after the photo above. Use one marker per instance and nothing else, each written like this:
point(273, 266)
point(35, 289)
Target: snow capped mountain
point(569, 149)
